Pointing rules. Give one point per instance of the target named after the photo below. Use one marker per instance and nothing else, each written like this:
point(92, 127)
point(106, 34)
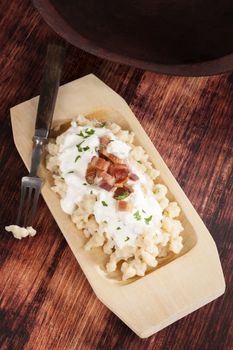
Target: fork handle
point(49, 89)
point(36, 155)
point(48, 96)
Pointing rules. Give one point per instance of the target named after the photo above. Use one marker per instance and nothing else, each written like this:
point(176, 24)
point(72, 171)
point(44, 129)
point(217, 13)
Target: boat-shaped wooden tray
point(180, 284)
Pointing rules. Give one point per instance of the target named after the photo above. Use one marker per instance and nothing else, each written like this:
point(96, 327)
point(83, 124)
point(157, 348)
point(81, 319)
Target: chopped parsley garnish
point(91, 192)
point(77, 158)
point(137, 215)
point(101, 125)
point(147, 220)
point(104, 204)
point(79, 147)
point(139, 161)
point(88, 133)
point(71, 172)
point(118, 228)
point(105, 222)
point(127, 239)
point(122, 196)
point(81, 134)
point(143, 210)
point(84, 184)
point(62, 178)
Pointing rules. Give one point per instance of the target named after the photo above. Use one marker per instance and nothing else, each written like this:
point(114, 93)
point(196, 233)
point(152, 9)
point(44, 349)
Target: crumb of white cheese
point(20, 232)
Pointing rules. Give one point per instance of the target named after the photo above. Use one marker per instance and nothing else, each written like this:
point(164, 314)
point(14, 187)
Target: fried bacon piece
point(96, 164)
point(107, 182)
point(100, 163)
point(122, 205)
point(133, 177)
point(90, 174)
point(120, 172)
point(122, 192)
point(104, 141)
point(107, 177)
point(106, 186)
point(109, 156)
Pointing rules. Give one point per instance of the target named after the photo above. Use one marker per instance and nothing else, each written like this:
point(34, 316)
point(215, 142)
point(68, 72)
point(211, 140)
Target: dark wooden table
point(46, 302)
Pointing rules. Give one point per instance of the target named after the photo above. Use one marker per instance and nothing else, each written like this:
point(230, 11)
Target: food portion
point(20, 232)
point(113, 194)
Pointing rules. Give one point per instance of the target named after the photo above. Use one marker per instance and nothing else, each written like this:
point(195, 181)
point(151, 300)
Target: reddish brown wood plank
point(45, 300)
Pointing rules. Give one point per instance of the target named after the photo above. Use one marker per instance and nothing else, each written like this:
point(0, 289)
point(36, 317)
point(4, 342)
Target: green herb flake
point(89, 132)
point(137, 215)
point(84, 184)
point(79, 147)
point(139, 161)
point(62, 178)
point(77, 158)
point(147, 220)
point(91, 192)
point(105, 222)
point(118, 228)
point(143, 210)
point(127, 239)
point(81, 134)
point(104, 204)
point(122, 196)
point(101, 125)
point(71, 172)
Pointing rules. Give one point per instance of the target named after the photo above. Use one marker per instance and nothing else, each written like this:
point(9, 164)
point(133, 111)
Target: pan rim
point(51, 16)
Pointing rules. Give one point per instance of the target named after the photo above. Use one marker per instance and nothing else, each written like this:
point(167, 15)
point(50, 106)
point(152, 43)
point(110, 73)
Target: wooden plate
point(181, 284)
point(175, 37)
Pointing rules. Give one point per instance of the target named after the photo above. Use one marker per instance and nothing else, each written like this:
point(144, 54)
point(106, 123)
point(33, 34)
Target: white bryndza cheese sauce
point(79, 145)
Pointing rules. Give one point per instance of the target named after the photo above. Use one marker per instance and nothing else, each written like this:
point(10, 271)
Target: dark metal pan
point(180, 37)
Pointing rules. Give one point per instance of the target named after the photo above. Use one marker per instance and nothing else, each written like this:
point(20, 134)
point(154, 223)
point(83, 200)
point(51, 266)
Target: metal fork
point(31, 184)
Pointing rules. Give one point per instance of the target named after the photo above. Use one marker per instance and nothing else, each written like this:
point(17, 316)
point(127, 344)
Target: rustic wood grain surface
point(45, 300)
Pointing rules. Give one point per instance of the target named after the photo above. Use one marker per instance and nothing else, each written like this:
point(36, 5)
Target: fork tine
point(28, 201)
point(22, 196)
point(30, 192)
point(35, 201)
